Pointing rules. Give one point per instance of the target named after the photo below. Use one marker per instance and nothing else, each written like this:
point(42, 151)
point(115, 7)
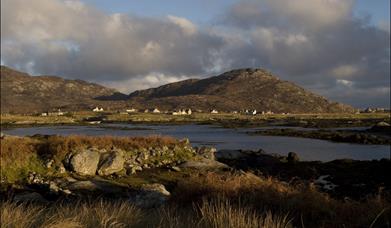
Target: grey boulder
point(85, 162)
point(111, 163)
point(151, 195)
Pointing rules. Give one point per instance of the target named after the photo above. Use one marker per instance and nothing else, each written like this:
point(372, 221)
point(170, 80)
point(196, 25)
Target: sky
point(337, 48)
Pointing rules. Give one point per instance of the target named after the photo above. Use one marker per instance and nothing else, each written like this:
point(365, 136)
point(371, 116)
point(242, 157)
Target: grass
point(303, 202)
point(215, 200)
point(216, 214)
point(78, 117)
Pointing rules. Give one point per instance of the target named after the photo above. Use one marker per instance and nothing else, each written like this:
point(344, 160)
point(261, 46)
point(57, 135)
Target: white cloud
point(344, 82)
point(147, 81)
point(188, 27)
point(345, 71)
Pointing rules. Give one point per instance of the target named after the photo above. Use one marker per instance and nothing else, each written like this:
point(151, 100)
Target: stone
point(135, 169)
point(203, 163)
point(53, 187)
point(34, 178)
point(66, 191)
point(185, 141)
point(207, 152)
point(151, 196)
point(382, 124)
point(30, 197)
point(85, 162)
point(175, 168)
point(49, 163)
point(112, 163)
point(61, 169)
point(83, 185)
point(293, 157)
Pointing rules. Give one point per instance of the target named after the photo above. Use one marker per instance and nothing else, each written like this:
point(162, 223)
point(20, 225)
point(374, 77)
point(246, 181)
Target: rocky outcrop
point(151, 195)
point(203, 163)
point(85, 162)
point(206, 152)
point(111, 163)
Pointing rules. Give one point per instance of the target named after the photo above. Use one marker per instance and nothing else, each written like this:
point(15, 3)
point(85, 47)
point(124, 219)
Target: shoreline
point(154, 172)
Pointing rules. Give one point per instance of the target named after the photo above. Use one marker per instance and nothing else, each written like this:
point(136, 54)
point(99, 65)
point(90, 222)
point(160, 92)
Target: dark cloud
point(316, 43)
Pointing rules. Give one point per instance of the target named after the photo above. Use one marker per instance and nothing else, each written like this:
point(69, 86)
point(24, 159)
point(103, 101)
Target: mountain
point(237, 90)
point(22, 93)
point(231, 91)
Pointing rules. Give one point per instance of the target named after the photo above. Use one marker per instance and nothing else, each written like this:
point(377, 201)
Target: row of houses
point(156, 110)
point(57, 113)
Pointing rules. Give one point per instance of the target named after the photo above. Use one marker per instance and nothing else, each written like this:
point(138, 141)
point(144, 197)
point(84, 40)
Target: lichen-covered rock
point(85, 162)
point(111, 163)
point(151, 195)
point(203, 163)
point(206, 152)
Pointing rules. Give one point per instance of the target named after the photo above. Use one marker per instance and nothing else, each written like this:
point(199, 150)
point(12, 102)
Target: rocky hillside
point(235, 90)
point(238, 90)
point(22, 93)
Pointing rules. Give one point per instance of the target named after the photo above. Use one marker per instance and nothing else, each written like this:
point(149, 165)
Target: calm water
point(223, 138)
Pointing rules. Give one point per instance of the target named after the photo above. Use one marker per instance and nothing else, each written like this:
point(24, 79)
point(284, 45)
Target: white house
point(254, 112)
point(156, 110)
point(97, 109)
point(131, 110)
point(59, 112)
point(214, 111)
point(182, 112)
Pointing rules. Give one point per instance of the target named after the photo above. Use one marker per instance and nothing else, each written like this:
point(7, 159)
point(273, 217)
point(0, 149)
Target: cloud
point(187, 26)
point(312, 42)
point(345, 71)
point(318, 44)
point(72, 39)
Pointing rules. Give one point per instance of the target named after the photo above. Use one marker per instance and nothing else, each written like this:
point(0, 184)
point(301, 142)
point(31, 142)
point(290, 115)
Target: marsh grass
point(215, 214)
point(303, 202)
point(211, 200)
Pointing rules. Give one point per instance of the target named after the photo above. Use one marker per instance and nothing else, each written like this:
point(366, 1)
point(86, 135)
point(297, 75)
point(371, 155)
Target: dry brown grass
point(212, 200)
point(18, 156)
point(59, 146)
point(80, 214)
point(215, 214)
point(303, 202)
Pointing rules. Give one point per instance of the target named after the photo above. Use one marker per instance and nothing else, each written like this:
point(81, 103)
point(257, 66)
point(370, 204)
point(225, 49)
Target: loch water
point(223, 138)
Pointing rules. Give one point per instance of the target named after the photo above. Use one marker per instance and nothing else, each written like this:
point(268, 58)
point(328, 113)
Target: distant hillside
point(234, 90)
point(22, 93)
point(237, 90)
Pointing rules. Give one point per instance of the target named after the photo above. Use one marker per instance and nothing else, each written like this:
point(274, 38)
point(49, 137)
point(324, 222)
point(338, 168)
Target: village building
point(97, 109)
point(182, 112)
point(58, 113)
point(155, 110)
point(131, 110)
point(214, 111)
